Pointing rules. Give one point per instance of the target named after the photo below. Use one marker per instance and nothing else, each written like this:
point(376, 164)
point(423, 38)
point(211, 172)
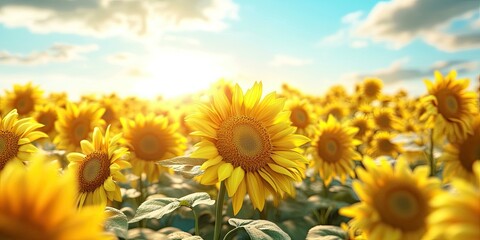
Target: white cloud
point(121, 58)
point(136, 18)
point(399, 22)
point(398, 72)
point(284, 60)
point(352, 18)
point(57, 53)
point(345, 35)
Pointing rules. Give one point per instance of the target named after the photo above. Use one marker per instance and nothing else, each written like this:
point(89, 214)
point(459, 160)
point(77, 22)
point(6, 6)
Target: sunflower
point(76, 123)
point(98, 168)
point(338, 109)
point(449, 107)
point(302, 116)
point(24, 98)
point(113, 110)
point(386, 120)
point(16, 137)
point(382, 144)
point(456, 214)
point(46, 114)
point(459, 157)
point(364, 125)
point(150, 139)
point(395, 202)
point(37, 203)
point(333, 150)
point(249, 145)
point(371, 88)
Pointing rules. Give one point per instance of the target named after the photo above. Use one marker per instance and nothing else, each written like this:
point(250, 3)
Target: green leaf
point(155, 208)
point(327, 232)
point(159, 207)
point(259, 229)
point(116, 222)
point(186, 166)
point(195, 199)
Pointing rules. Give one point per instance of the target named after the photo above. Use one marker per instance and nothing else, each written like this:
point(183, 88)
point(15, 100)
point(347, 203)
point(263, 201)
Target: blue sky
point(183, 46)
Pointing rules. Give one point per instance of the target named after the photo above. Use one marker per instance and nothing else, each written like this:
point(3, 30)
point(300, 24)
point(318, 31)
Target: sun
point(180, 72)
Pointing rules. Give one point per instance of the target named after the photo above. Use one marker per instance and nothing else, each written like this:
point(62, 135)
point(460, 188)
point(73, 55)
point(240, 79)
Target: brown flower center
point(8, 147)
point(448, 104)
point(401, 206)
point(149, 146)
point(329, 146)
point(80, 130)
point(24, 104)
point(93, 171)
point(243, 141)
point(383, 121)
point(385, 146)
point(48, 120)
point(299, 117)
point(469, 151)
point(371, 89)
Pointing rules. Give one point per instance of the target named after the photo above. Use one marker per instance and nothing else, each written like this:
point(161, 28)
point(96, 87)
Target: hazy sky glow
point(182, 46)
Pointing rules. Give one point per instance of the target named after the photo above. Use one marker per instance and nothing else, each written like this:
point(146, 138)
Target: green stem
point(197, 231)
point(142, 222)
point(431, 158)
point(219, 212)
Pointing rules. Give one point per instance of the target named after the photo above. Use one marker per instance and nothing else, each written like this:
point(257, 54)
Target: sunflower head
point(386, 120)
point(395, 201)
point(449, 107)
point(333, 150)
point(459, 157)
point(456, 213)
point(76, 123)
point(97, 168)
point(38, 203)
point(302, 116)
point(24, 98)
point(113, 110)
point(249, 144)
point(46, 114)
point(16, 137)
point(152, 138)
point(337, 109)
point(371, 88)
point(383, 144)
point(364, 124)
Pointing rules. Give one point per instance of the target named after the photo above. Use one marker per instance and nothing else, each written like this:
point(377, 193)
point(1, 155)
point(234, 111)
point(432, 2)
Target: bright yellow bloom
point(76, 123)
point(16, 137)
point(395, 202)
point(98, 169)
point(364, 125)
point(47, 115)
point(382, 144)
point(459, 157)
point(385, 119)
point(333, 150)
point(456, 214)
point(37, 203)
point(337, 109)
point(302, 116)
point(449, 107)
point(24, 98)
point(371, 88)
point(250, 144)
point(150, 139)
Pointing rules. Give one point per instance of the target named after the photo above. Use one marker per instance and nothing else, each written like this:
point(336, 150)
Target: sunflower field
point(233, 163)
